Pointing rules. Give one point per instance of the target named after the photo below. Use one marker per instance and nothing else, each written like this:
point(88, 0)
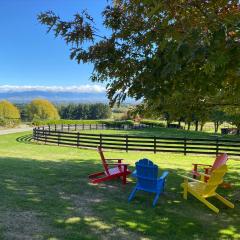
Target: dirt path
point(21, 128)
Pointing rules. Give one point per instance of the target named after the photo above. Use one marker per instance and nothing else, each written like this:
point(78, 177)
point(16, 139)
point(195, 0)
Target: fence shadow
point(27, 139)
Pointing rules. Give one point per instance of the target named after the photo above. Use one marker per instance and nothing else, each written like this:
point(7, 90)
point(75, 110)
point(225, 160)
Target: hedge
point(64, 121)
point(153, 122)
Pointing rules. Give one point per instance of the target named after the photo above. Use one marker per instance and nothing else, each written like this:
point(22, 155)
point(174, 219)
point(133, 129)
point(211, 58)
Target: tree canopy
point(85, 111)
point(8, 110)
point(42, 109)
point(155, 49)
point(9, 114)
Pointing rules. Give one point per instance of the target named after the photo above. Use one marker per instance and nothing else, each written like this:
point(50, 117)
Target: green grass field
point(163, 132)
point(45, 194)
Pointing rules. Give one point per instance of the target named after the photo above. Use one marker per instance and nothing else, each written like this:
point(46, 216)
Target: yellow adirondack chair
point(203, 190)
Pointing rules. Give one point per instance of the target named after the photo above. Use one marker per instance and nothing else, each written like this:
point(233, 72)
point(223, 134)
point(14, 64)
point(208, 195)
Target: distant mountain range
point(57, 97)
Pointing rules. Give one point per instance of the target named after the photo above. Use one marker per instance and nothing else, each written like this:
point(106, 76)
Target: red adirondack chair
point(119, 170)
point(219, 161)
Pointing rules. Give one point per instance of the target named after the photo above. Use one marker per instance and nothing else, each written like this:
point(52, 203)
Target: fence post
point(96, 126)
point(58, 139)
point(217, 146)
point(75, 127)
point(126, 143)
point(155, 144)
point(62, 126)
point(34, 134)
point(90, 126)
point(78, 139)
point(45, 135)
point(185, 146)
point(55, 127)
point(100, 140)
point(68, 127)
point(83, 126)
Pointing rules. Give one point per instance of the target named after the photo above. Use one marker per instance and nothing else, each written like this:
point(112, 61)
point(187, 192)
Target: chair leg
point(132, 194)
point(185, 191)
point(124, 176)
point(207, 203)
point(225, 201)
point(156, 199)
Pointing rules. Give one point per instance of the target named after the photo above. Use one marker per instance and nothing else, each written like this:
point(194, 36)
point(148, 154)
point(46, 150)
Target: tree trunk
point(196, 125)
point(201, 128)
point(168, 122)
point(189, 124)
point(216, 125)
point(179, 123)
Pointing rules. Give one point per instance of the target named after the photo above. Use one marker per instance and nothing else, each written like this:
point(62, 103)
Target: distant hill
point(57, 97)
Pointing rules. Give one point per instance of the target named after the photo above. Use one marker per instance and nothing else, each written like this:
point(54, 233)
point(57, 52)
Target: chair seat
point(116, 170)
point(198, 188)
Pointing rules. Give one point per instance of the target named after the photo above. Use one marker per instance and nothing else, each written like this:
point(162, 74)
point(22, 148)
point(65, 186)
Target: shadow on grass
point(53, 199)
point(25, 139)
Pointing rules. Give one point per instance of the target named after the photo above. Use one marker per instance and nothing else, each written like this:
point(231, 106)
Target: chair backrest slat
point(100, 151)
point(215, 179)
point(220, 161)
point(147, 174)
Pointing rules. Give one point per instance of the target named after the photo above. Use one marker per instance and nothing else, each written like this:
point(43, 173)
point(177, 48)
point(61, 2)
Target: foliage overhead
point(42, 109)
point(158, 48)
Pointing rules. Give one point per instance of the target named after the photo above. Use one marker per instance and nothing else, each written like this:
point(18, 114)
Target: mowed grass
point(45, 194)
point(165, 132)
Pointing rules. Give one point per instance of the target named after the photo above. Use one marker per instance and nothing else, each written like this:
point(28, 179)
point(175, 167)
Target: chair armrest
point(164, 175)
point(189, 178)
point(200, 164)
point(113, 158)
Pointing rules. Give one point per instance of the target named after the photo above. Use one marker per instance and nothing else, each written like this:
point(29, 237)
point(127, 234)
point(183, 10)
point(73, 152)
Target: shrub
point(41, 109)
point(153, 122)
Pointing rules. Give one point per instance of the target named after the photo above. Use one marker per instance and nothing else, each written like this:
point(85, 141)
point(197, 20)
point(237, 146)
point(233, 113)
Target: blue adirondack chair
point(147, 179)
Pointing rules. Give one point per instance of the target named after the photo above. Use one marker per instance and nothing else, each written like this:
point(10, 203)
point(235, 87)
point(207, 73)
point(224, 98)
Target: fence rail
point(72, 137)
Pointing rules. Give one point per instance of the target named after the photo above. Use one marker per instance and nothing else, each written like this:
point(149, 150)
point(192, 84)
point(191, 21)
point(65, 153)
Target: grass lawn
point(165, 132)
point(45, 194)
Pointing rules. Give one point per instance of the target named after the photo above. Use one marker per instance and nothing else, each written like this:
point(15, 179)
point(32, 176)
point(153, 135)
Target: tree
point(42, 109)
point(218, 116)
point(85, 111)
point(9, 114)
point(157, 48)
point(233, 116)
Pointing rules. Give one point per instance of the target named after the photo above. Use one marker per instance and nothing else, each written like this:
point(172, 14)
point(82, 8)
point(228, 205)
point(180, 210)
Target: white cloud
point(73, 89)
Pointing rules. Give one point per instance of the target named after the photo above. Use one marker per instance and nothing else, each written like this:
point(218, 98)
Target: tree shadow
point(58, 198)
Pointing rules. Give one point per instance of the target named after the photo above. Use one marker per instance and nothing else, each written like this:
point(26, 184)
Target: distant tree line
point(42, 109)
point(85, 111)
point(190, 114)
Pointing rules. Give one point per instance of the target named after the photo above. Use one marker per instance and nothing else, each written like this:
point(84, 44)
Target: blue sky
point(29, 56)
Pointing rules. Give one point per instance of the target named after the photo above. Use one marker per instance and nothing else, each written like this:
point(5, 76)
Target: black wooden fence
point(55, 135)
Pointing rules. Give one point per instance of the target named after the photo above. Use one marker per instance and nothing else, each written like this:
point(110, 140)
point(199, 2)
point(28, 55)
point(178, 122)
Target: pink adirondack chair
point(119, 170)
point(219, 161)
